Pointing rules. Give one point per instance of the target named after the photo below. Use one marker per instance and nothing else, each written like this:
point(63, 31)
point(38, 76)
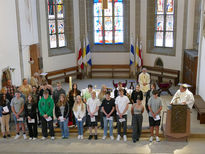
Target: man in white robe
point(144, 81)
point(183, 96)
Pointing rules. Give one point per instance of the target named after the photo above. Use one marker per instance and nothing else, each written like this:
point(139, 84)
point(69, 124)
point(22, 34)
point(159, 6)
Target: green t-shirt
point(87, 95)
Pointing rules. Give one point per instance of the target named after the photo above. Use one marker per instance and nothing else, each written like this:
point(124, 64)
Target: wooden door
point(35, 56)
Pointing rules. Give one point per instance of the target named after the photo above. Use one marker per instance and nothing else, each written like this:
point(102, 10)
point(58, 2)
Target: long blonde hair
point(60, 103)
point(75, 107)
point(102, 93)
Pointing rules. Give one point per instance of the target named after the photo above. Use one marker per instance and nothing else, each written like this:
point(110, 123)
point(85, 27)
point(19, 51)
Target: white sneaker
point(118, 137)
point(43, 138)
point(112, 137)
point(125, 138)
point(151, 139)
point(52, 138)
point(30, 138)
point(16, 137)
point(24, 136)
point(34, 139)
point(79, 137)
point(104, 137)
point(157, 139)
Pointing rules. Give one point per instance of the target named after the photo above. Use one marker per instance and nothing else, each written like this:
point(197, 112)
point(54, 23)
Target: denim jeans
point(64, 128)
point(106, 125)
point(80, 125)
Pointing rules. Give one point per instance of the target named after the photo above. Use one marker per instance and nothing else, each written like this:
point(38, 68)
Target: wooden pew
point(110, 71)
point(63, 74)
point(200, 108)
point(162, 73)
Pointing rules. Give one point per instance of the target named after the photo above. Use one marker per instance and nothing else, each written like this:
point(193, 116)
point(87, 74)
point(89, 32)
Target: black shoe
point(4, 136)
point(90, 137)
point(8, 135)
point(96, 137)
point(137, 139)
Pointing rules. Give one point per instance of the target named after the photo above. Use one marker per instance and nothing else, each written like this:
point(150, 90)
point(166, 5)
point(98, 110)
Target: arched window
point(56, 24)
point(108, 23)
point(164, 23)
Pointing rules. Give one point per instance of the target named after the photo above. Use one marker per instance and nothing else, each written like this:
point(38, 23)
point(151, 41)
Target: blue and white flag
point(132, 54)
point(88, 53)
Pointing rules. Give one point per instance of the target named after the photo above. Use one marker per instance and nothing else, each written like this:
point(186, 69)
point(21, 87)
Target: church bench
point(164, 73)
point(63, 74)
point(200, 108)
point(110, 71)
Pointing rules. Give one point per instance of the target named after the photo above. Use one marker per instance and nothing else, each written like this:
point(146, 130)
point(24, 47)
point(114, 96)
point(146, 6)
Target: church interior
point(157, 46)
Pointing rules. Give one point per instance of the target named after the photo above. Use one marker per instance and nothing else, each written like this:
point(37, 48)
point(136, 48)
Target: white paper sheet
point(110, 118)
point(92, 119)
point(20, 119)
point(6, 109)
point(157, 118)
point(122, 120)
point(49, 119)
point(61, 119)
point(32, 121)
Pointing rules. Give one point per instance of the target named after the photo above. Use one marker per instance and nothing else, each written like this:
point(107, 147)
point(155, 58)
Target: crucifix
point(105, 4)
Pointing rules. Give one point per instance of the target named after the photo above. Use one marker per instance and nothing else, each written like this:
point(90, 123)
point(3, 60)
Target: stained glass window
point(164, 27)
point(56, 23)
point(108, 23)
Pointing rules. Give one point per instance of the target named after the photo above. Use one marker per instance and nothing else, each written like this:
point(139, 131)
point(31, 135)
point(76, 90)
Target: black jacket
point(4, 104)
point(30, 110)
point(58, 111)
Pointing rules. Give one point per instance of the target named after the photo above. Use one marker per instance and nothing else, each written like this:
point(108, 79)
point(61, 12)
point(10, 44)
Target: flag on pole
point(80, 57)
point(140, 55)
point(131, 52)
point(137, 53)
point(84, 53)
point(88, 53)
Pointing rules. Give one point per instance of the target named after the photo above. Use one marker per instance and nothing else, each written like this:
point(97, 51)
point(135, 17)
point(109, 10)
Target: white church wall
point(9, 51)
point(56, 62)
point(29, 31)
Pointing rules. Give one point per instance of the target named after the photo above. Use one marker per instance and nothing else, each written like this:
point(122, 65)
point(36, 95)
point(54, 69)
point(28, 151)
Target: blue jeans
point(106, 125)
point(80, 125)
point(64, 128)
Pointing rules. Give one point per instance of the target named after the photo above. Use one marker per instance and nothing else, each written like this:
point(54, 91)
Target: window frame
point(113, 26)
point(164, 31)
point(56, 19)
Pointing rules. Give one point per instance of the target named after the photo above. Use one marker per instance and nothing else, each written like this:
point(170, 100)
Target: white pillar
point(190, 24)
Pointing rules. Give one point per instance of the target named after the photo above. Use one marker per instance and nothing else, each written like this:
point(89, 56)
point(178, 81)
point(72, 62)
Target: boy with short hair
point(17, 107)
point(155, 107)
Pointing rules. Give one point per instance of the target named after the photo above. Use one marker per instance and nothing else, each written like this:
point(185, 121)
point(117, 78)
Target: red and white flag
point(80, 57)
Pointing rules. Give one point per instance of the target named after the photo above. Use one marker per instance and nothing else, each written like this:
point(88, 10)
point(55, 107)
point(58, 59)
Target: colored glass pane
point(53, 43)
point(169, 22)
point(108, 23)
point(118, 23)
point(61, 40)
point(52, 27)
point(108, 12)
point(119, 37)
point(170, 7)
point(118, 9)
point(169, 39)
point(61, 26)
point(97, 9)
point(60, 11)
point(59, 1)
point(98, 37)
point(51, 9)
point(159, 39)
point(98, 23)
point(160, 6)
point(108, 37)
point(160, 23)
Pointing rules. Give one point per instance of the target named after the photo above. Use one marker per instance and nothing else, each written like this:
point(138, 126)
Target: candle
point(70, 82)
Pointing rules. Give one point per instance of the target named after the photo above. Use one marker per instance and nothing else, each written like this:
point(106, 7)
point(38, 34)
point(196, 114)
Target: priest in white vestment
point(144, 81)
point(183, 96)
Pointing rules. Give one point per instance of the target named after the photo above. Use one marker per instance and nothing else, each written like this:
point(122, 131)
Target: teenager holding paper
point(5, 106)
point(79, 110)
point(31, 117)
point(137, 118)
point(93, 106)
point(62, 112)
point(108, 107)
point(45, 106)
point(155, 107)
point(122, 104)
point(17, 107)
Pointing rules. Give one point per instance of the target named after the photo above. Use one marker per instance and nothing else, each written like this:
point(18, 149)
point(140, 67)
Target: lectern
point(177, 127)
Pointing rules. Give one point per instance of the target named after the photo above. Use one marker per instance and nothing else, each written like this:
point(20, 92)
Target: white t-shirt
point(93, 103)
point(122, 103)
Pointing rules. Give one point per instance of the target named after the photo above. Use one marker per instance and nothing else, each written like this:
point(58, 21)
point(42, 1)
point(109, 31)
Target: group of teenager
point(38, 104)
